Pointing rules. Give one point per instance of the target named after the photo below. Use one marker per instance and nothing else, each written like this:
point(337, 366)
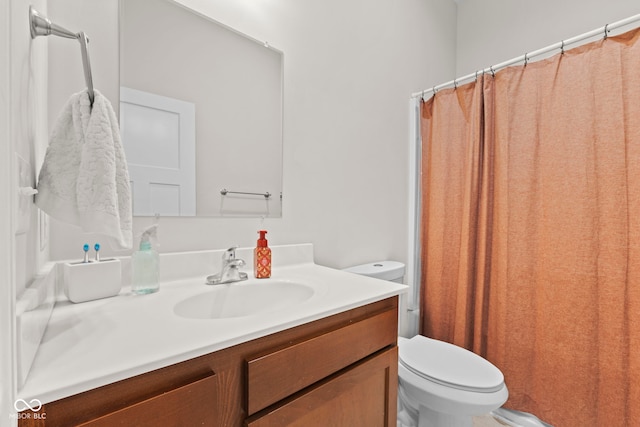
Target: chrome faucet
point(230, 269)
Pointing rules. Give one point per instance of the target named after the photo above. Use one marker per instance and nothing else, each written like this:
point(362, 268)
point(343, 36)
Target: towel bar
point(41, 26)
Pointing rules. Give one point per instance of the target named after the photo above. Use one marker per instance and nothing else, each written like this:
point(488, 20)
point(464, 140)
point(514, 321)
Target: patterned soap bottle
point(262, 257)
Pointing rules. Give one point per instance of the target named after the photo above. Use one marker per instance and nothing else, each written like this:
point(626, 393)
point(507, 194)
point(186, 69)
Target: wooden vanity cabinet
point(336, 371)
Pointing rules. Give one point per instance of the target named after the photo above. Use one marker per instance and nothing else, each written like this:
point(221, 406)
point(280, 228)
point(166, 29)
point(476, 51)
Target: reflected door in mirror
point(158, 134)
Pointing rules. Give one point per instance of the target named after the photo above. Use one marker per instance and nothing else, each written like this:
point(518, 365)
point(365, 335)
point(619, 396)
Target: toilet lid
point(449, 365)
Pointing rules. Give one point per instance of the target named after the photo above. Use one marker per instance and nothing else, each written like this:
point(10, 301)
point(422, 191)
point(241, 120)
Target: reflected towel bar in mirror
point(224, 192)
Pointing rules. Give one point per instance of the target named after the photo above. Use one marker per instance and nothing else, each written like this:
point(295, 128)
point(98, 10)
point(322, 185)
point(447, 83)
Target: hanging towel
point(84, 179)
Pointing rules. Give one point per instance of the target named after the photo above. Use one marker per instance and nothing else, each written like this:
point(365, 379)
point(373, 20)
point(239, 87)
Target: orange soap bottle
point(262, 257)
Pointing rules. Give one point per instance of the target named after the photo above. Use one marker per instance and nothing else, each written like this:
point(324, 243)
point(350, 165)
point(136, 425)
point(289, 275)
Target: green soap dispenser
point(145, 265)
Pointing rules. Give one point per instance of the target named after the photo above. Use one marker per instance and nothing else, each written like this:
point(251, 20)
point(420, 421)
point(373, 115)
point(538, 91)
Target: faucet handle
point(229, 254)
point(235, 263)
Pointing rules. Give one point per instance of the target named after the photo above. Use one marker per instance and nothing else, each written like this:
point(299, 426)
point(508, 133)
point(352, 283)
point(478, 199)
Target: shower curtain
point(531, 229)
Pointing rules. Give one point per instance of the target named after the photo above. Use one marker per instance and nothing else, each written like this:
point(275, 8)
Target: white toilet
point(439, 384)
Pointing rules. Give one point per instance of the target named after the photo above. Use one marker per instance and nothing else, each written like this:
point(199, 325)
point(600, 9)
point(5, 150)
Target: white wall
point(493, 31)
point(23, 129)
point(28, 133)
point(350, 67)
point(7, 293)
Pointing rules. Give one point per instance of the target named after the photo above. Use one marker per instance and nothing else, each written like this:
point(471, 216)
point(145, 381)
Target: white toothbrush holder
point(86, 281)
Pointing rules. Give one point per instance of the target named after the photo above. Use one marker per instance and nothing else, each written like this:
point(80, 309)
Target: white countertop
point(95, 343)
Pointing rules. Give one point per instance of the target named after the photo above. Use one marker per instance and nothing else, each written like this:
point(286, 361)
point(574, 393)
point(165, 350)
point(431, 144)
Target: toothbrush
point(86, 253)
point(97, 248)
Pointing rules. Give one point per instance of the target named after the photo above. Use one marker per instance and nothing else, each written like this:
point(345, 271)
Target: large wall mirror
point(200, 114)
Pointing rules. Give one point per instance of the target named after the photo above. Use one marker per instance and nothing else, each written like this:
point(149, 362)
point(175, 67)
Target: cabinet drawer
point(276, 375)
point(189, 405)
point(364, 395)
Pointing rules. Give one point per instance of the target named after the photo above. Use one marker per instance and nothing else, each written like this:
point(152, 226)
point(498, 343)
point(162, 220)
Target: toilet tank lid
point(385, 270)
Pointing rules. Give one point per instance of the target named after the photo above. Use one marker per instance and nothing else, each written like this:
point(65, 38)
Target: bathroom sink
point(243, 299)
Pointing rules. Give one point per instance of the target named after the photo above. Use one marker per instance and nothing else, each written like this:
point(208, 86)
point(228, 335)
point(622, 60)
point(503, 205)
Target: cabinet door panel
point(363, 396)
point(189, 405)
point(279, 374)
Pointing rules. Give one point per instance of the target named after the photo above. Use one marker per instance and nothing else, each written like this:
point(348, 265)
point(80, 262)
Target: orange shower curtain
point(531, 229)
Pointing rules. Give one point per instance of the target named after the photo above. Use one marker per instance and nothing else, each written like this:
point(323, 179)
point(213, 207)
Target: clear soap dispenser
point(145, 264)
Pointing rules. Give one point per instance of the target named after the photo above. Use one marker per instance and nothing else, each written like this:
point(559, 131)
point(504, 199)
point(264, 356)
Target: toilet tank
point(392, 271)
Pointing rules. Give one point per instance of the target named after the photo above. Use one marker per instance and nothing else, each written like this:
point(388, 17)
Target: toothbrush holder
point(86, 281)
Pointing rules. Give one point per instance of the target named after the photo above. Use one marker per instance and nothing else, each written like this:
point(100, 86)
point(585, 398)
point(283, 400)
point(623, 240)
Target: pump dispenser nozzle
point(262, 241)
point(147, 235)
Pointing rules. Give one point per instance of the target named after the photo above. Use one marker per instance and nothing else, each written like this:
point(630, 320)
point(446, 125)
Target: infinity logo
point(35, 402)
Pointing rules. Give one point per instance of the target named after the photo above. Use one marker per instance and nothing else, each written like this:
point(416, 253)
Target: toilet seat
point(449, 365)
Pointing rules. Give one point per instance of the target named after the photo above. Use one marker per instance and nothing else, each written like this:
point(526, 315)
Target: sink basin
point(243, 299)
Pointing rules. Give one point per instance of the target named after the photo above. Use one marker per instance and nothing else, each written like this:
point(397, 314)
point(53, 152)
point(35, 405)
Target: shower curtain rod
point(527, 56)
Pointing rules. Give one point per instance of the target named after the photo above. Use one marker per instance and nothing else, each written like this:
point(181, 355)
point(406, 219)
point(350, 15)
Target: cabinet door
point(279, 374)
point(364, 395)
point(189, 405)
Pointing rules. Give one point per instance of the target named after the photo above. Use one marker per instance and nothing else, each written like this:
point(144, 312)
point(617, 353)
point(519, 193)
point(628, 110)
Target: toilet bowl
point(446, 385)
point(439, 384)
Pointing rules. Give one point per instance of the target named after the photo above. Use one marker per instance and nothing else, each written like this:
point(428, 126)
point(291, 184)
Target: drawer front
point(364, 395)
point(189, 405)
point(279, 374)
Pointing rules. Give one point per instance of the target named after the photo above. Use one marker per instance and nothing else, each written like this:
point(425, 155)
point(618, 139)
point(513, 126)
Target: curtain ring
point(562, 47)
point(423, 95)
point(455, 83)
point(433, 89)
point(526, 59)
point(606, 31)
point(493, 73)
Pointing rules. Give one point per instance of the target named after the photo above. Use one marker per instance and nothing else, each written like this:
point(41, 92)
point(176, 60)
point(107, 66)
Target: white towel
point(84, 179)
